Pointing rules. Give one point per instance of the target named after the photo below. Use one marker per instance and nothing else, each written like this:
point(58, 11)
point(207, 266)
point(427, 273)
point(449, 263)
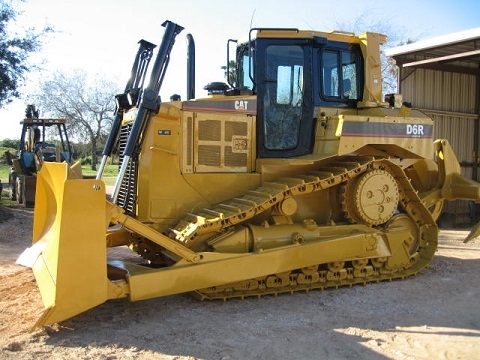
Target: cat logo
point(241, 105)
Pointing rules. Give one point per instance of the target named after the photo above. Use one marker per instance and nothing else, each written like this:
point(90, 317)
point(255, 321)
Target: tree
point(10, 143)
point(230, 75)
point(367, 22)
point(14, 54)
point(88, 105)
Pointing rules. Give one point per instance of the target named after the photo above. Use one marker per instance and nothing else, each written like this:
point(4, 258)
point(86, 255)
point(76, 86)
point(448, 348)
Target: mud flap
point(69, 231)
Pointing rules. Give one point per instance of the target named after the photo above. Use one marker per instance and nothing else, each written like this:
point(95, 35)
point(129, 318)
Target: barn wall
point(449, 98)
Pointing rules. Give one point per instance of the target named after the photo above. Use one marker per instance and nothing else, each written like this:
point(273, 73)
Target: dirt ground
point(435, 315)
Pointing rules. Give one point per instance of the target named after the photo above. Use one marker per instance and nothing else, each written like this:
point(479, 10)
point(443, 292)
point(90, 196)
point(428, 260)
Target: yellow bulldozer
point(297, 175)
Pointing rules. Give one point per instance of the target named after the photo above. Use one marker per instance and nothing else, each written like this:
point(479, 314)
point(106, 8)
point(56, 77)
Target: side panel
point(192, 159)
point(380, 132)
point(219, 135)
point(401, 137)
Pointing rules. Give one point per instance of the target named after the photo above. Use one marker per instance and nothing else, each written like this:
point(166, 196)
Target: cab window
point(284, 96)
point(339, 75)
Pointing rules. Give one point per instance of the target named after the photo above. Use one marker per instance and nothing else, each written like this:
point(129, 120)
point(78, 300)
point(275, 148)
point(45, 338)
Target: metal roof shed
point(441, 77)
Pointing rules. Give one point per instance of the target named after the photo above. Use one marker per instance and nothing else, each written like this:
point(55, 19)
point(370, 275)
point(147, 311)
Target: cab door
point(285, 124)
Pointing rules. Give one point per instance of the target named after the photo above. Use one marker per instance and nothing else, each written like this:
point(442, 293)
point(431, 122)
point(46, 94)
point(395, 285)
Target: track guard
point(69, 231)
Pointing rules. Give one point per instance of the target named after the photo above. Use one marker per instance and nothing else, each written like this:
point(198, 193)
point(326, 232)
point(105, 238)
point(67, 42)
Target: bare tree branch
point(87, 103)
point(370, 21)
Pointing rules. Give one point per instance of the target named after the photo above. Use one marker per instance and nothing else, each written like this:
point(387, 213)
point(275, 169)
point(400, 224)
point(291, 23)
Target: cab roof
point(335, 35)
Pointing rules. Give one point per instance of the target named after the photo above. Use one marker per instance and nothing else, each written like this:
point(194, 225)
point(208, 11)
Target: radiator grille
point(234, 159)
point(222, 146)
point(189, 140)
point(128, 189)
point(209, 130)
point(209, 155)
point(235, 128)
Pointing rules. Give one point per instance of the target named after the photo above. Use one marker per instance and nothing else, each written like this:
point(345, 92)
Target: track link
point(269, 194)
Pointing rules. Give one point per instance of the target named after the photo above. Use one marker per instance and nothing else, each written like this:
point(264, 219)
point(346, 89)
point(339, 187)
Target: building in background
point(441, 77)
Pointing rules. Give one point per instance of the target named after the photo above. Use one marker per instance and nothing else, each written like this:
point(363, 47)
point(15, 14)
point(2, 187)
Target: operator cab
point(33, 146)
point(292, 72)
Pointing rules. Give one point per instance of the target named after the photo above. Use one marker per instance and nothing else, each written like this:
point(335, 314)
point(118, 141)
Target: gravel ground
point(435, 315)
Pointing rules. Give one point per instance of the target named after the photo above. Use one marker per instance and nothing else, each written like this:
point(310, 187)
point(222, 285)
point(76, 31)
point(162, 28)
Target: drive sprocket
point(371, 199)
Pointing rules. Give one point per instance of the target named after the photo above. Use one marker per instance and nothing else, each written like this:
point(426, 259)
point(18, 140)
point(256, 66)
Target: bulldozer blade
point(69, 232)
point(474, 233)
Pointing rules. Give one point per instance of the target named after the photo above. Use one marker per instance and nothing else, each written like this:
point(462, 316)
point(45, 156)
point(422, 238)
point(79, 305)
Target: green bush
point(87, 161)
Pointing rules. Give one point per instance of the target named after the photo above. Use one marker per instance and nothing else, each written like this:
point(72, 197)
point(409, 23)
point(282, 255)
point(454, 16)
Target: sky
point(101, 36)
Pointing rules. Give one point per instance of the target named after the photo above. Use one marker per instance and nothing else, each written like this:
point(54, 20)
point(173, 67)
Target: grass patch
point(4, 167)
point(109, 173)
point(4, 171)
point(110, 170)
point(5, 204)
